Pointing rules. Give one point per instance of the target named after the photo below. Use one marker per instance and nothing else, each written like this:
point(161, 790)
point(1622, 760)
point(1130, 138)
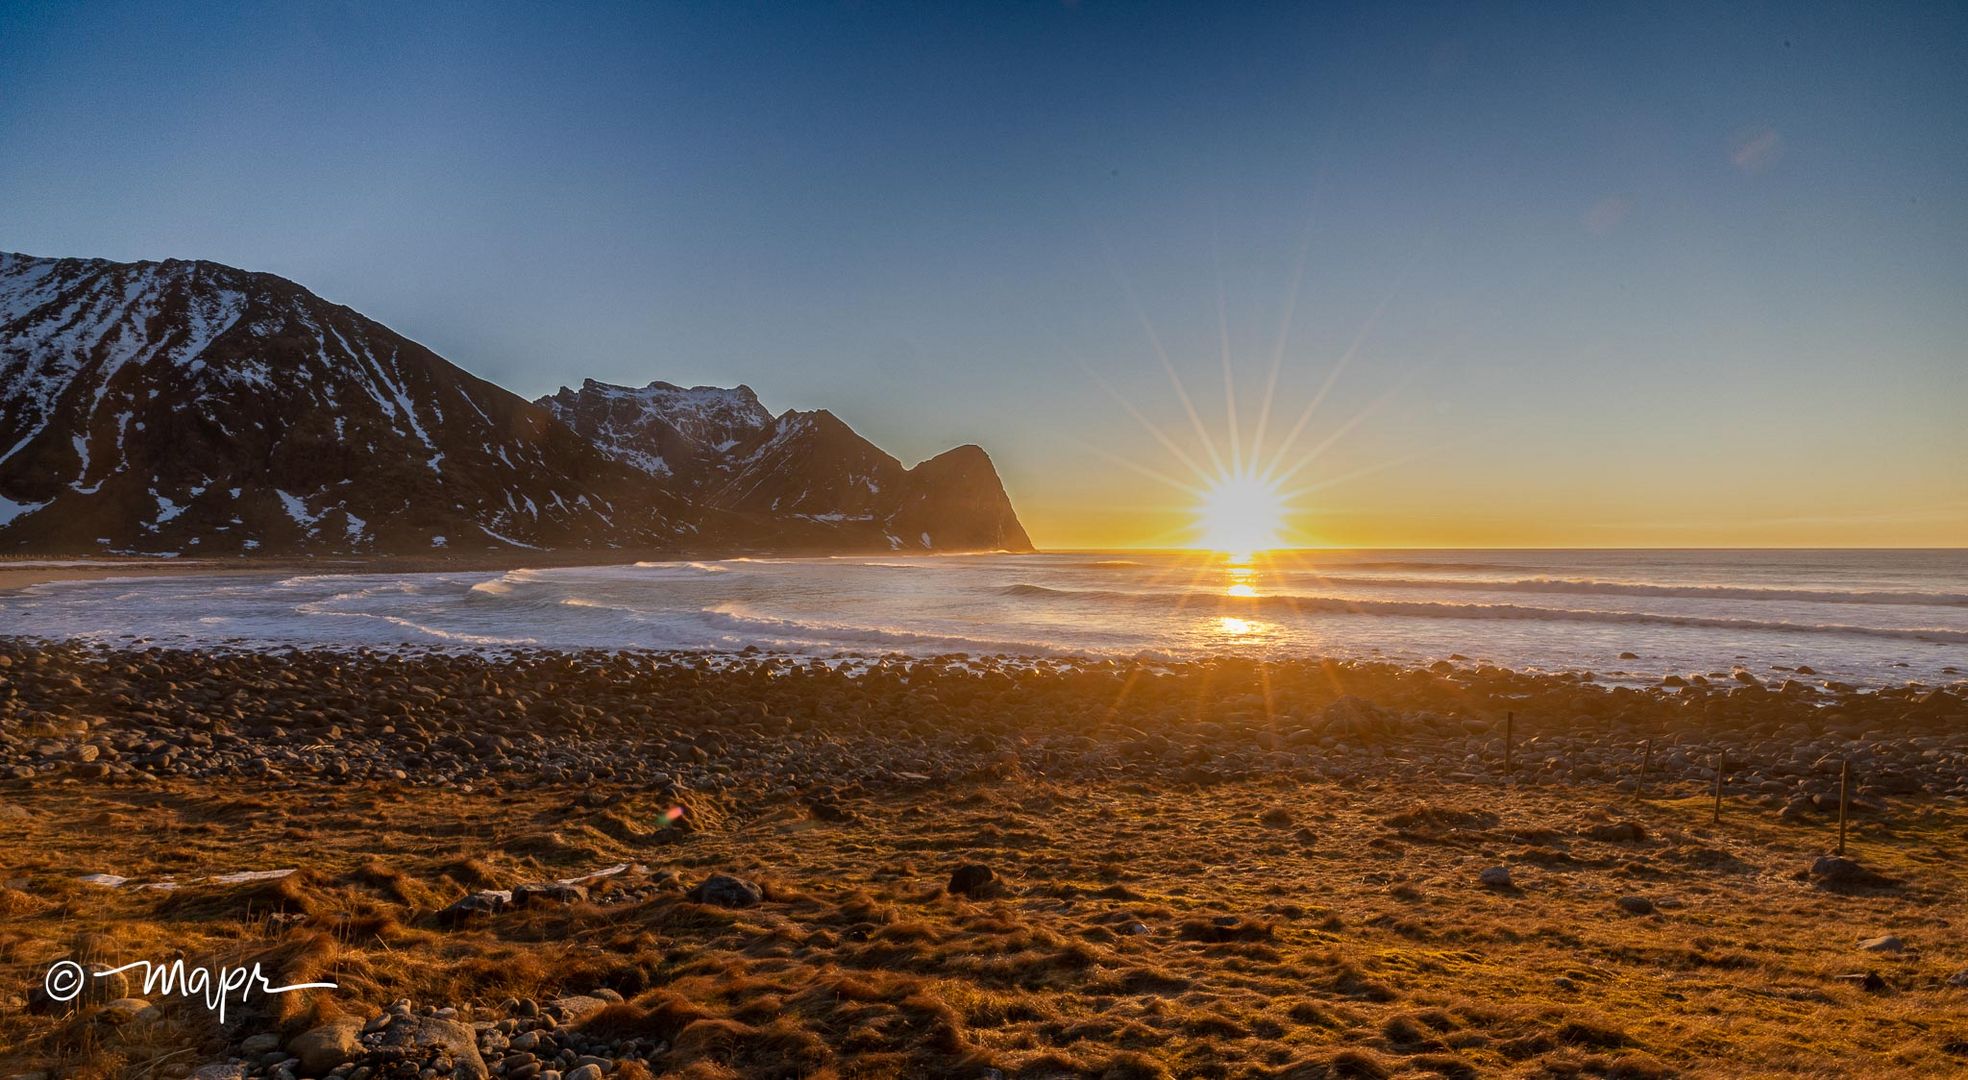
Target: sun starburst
point(1240, 514)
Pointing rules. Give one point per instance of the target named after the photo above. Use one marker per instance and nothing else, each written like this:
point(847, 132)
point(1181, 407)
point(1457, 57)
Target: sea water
point(1867, 617)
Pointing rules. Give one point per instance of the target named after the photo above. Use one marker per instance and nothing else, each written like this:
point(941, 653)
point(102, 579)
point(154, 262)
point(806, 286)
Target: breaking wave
point(1338, 605)
point(1592, 587)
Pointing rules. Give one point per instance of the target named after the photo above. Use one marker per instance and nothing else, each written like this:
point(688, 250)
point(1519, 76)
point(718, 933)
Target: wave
point(504, 583)
point(739, 617)
point(454, 636)
point(1336, 605)
point(1593, 587)
point(1396, 564)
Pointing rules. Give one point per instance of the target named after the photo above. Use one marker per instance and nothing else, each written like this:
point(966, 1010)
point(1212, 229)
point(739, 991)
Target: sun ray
point(1152, 474)
point(1367, 470)
point(1338, 434)
point(1345, 360)
point(1168, 366)
point(1235, 439)
point(1167, 443)
point(1284, 339)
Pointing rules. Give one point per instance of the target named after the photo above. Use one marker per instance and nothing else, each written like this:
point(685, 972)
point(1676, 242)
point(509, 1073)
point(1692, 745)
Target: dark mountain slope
point(191, 407)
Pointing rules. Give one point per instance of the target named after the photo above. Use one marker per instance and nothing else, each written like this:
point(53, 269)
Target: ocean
point(1866, 617)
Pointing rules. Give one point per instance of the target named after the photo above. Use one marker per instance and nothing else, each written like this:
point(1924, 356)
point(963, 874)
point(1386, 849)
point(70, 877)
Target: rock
point(1635, 905)
point(575, 1006)
point(1619, 832)
point(219, 1070)
point(1496, 877)
point(584, 1072)
point(552, 892)
point(259, 1044)
point(1959, 978)
point(476, 906)
point(973, 879)
point(1884, 943)
point(1869, 981)
point(1797, 811)
point(1629, 656)
point(724, 890)
point(1832, 872)
point(427, 1033)
point(1277, 817)
point(322, 1048)
point(123, 1011)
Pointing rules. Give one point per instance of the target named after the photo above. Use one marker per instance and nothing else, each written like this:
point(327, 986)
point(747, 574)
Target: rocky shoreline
point(712, 724)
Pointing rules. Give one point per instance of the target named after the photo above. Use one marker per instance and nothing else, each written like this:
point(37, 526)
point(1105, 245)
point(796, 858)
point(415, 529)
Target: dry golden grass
point(1291, 931)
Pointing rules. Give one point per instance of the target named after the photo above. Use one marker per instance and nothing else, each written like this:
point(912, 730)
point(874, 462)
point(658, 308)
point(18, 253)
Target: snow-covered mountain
point(192, 407)
point(661, 429)
point(817, 482)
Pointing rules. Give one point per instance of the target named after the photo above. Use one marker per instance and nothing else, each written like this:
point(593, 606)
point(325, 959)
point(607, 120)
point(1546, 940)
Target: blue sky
point(1658, 274)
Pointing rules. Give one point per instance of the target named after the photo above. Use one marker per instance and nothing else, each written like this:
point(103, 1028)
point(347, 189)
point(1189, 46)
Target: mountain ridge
point(186, 406)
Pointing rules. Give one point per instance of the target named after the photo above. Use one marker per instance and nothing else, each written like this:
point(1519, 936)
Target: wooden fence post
point(1720, 755)
point(1509, 743)
point(1844, 800)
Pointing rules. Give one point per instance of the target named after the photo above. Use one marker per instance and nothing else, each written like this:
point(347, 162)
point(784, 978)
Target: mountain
point(191, 407)
point(805, 477)
point(663, 430)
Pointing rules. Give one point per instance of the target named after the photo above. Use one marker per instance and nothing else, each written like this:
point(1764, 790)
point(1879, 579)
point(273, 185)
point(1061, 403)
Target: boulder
point(423, 1035)
point(1832, 872)
point(552, 892)
point(122, 1011)
point(972, 879)
point(475, 906)
point(724, 890)
point(1618, 832)
point(322, 1048)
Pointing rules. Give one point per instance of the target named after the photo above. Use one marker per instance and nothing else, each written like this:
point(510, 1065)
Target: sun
point(1241, 514)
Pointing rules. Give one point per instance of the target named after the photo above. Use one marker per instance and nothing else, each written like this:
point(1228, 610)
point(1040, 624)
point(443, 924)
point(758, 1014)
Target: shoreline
point(20, 572)
point(1639, 643)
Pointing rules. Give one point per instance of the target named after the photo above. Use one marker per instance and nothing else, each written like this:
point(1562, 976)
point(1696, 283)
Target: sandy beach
point(646, 865)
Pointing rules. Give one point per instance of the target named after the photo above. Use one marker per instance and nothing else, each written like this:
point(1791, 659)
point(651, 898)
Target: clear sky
point(1662, 275)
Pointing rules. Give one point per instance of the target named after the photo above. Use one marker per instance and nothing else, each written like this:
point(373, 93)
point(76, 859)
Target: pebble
point(1496, 877)
point(450, 721)
point(1635, 905)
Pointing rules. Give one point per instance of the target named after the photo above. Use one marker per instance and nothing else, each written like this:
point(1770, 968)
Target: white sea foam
point(1868, 617)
